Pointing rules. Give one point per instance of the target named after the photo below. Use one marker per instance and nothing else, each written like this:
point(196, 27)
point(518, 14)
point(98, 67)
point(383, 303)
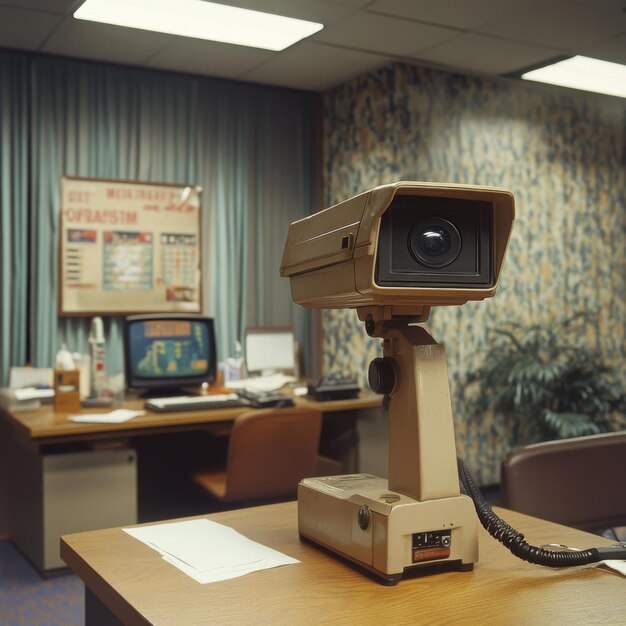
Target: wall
point(563, 155)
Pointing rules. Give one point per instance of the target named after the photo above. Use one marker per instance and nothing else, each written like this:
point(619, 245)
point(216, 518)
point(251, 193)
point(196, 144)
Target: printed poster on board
point(129, 247)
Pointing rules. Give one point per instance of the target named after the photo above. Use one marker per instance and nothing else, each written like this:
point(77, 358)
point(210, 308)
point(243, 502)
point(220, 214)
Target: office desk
point(129, 582)
point(44, 426)
point(49, 494)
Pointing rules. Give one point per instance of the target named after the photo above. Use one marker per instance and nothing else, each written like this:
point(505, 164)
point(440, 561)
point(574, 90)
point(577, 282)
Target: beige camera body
point(334, 258)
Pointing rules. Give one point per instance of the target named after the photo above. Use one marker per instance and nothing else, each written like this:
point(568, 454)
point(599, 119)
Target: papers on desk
point(114, 417)
point(618, 566)
point(273, 382)
point(24, 398)
point(207, 551)
point(33, 393)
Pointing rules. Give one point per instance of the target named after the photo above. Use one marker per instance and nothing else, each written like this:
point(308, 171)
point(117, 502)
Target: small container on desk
point(66, 391)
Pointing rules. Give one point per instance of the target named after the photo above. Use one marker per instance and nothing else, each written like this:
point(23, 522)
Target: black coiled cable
point(513, 539)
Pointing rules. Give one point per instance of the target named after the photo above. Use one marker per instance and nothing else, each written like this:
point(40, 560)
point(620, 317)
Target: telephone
point(334, 386)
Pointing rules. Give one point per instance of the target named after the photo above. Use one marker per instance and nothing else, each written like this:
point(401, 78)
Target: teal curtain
point(273, 185)
point(250, 148)
point(13, 212)
point(105, 122)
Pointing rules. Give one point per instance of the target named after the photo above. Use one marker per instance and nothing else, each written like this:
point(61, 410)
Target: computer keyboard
point(194, 403)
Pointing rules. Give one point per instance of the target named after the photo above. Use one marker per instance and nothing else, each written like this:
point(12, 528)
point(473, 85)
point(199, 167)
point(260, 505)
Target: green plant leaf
point(570, 424)
point(546, 377)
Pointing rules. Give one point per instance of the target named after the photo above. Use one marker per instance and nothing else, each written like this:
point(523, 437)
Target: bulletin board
point(128, 247)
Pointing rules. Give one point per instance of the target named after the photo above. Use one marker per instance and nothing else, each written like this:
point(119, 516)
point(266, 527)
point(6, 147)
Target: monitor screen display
point(270, 349)
point(167, 352)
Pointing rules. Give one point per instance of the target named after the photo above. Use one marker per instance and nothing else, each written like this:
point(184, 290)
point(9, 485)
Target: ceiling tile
point(102, 42)
point(383, 35)
point(313, 10)
point(613, 50)
point(353, 3)
point(543, 22)
point(20, 28)
point(313, 66)
point(477, 36)
point(453, 13)
point(51, 6)
point(488, 55)
point(208, 58)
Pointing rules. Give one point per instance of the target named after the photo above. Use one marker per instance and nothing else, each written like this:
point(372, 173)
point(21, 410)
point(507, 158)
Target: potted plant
point(553, 386)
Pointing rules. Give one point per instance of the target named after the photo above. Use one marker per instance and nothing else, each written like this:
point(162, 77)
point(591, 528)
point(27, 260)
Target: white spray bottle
point(98, 367)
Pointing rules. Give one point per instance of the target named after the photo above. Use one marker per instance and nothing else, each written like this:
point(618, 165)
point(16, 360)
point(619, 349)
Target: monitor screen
point(164, 353)
point(270, 349)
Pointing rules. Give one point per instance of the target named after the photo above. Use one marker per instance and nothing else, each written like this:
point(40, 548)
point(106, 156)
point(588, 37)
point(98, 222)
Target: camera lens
point(434, 242)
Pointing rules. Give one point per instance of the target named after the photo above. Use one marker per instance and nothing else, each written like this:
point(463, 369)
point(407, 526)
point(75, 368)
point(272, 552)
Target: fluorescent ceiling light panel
point(202, 20)
point(583, 73)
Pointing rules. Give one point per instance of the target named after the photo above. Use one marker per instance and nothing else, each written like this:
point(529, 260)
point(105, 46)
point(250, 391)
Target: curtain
point(13, 212)
point(250, 148)
point(272, 186)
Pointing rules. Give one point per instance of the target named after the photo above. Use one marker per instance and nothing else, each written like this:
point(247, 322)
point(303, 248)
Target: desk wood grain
point(141, 588)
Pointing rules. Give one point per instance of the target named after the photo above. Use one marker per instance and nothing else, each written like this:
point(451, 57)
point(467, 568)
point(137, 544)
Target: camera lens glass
point(434, 242)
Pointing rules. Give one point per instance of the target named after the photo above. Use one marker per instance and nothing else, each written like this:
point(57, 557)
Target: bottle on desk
point(234, 368)
point(100, 393)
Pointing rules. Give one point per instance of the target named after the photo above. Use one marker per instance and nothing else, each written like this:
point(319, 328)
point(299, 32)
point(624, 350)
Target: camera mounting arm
point(414, 374)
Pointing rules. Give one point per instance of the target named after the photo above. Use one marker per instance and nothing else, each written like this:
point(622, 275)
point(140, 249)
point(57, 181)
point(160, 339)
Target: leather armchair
point(578, 482)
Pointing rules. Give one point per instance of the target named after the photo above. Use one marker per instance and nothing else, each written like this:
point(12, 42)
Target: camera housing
point(405, 243)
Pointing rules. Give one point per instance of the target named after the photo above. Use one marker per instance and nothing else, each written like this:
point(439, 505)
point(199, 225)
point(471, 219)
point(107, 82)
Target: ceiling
point(483, 37)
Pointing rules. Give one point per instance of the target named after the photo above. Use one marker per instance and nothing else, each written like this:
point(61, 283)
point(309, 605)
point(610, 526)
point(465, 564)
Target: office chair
point(578, 482)
point(269, 452)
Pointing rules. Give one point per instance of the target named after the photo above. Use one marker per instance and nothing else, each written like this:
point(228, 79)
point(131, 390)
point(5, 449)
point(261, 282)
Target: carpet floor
point(27, 599)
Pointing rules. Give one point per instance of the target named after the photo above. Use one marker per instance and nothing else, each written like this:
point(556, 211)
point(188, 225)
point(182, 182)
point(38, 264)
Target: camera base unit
point(418, 519)
point(388, 534)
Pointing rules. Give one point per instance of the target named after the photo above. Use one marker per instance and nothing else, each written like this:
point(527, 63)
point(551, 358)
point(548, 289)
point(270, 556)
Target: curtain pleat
point(13, 212)
point(250, 148)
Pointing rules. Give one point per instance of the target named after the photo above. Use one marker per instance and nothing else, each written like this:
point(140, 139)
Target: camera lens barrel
point(434, 242)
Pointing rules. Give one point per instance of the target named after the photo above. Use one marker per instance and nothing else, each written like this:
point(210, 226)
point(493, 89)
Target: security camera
point(405, 243)
point(392, 253)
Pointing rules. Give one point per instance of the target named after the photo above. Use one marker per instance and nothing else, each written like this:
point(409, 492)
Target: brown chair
point(269, 452)
point(577, 482)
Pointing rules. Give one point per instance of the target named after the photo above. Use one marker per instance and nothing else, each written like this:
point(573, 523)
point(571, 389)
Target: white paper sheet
point(273, 382)
point(207, 551)
point(33, 393)
point(618, 566)
point(114, 417)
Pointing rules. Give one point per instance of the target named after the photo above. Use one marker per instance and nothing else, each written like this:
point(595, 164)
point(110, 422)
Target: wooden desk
point(44, 426)
point(36, 440)
point(128, 581)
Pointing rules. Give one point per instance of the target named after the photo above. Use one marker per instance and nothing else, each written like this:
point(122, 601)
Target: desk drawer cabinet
point(72, 492)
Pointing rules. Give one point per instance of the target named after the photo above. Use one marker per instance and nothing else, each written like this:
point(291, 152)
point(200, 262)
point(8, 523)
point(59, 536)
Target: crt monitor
point(163, 353)
point(270, 349)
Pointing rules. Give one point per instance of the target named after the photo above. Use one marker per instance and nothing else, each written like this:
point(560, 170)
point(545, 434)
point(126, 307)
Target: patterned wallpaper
point(561, 152)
